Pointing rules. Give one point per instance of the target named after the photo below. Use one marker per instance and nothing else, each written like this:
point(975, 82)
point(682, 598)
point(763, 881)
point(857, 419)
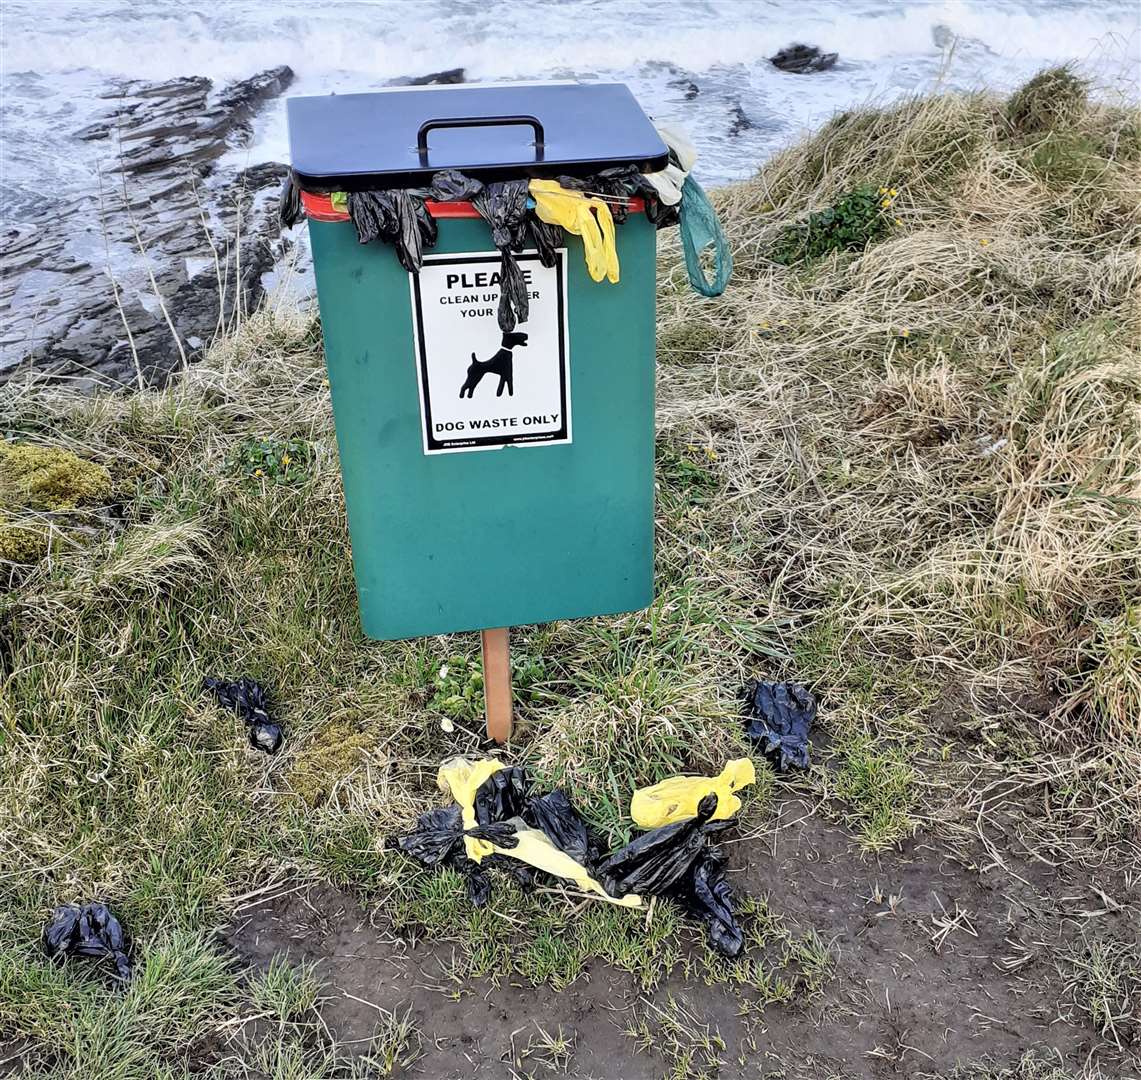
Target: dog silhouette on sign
point(501, 364)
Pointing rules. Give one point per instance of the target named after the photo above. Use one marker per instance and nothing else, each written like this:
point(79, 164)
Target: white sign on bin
point(481, 388)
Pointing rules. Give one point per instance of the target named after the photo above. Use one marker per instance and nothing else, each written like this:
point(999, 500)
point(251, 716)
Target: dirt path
point(903, 999)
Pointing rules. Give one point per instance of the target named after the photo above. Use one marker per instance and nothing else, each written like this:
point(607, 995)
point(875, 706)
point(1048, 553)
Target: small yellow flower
point(893, 193)
point(984, 242)
point(885, 203)
point(883, 191)
point(285, 459)
point(258, 472)
point(905, 333)
point(899, 221)
point(711, 453)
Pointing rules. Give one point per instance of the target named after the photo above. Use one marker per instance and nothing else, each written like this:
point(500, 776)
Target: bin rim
point(319, 207)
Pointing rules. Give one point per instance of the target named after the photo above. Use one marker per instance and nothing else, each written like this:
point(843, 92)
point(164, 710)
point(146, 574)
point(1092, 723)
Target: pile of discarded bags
point(500, 820)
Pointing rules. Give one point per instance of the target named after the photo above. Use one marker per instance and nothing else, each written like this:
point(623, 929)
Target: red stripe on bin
point(320, 208)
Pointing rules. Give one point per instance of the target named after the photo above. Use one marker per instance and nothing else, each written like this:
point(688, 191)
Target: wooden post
point(497, 683)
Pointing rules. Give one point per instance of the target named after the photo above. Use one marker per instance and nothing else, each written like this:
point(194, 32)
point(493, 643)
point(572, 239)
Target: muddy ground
point(902, 1000)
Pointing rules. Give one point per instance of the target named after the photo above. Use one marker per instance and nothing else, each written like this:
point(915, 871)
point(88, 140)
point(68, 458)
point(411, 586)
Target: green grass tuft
point(1054, 98)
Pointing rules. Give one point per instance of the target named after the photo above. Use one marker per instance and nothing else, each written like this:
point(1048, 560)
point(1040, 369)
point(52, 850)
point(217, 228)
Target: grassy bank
point(899, 461)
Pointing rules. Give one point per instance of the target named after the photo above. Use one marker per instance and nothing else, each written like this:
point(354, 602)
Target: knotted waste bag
point(88, 930)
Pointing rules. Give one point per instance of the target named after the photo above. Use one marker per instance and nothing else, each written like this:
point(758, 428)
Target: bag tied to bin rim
point(584, 216)
point(669, 181)
point(678, 797)
point(701, 233)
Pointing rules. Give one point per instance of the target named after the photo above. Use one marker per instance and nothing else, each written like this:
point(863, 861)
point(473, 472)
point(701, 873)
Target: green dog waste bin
point(490, 479)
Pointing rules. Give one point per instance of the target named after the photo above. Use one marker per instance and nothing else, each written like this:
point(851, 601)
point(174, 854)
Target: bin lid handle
point(477, 121)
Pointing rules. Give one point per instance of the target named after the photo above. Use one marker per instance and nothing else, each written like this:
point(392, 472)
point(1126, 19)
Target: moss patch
point(334, 752)
point(47, 478)
point(22, 542)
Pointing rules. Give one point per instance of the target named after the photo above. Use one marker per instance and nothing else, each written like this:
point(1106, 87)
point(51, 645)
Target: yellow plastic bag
point(584, 216)
point(462, 778)
point(536, 849)
point(676, 799)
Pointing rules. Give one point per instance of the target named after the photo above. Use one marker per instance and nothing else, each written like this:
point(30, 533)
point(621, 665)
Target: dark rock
point(802, 59)
point(250, 93)
point(81, 303)
point(738, 120)
point(437, 78)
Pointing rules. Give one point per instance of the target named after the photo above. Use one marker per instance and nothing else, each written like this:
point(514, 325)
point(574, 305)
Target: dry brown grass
point(931, 449)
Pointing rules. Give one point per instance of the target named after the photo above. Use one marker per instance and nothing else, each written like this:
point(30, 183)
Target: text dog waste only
point(491, 362)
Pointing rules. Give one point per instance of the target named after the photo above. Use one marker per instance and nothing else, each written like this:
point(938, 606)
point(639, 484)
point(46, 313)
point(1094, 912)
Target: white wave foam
point(383, 39)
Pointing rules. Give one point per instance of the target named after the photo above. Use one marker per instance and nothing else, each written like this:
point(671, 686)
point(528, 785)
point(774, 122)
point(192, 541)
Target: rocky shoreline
point(123, 285)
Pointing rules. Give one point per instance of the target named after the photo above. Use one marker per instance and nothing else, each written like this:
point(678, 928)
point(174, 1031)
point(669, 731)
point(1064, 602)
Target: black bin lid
point(399, 137)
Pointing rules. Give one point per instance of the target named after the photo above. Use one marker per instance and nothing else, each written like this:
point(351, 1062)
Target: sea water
point(701, 63)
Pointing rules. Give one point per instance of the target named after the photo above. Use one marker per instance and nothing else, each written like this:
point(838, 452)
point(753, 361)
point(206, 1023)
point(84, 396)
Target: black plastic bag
point(289, 206)
point(509, 794)
point(88, 930)
point(394, 217)
point(514, 299)
point(779, 719)
point(252, 704)
point(451, 185)
point(653, 862)
point(554, 815)
point(545, 238)
point(705, 893)
point(437, 839)
point(437, 836)
point(504, 207)
point(616, 185)
point(502, 795)
point(623, 182)
point(659, 214)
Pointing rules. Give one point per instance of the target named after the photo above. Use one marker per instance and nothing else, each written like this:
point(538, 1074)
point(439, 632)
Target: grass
point(284, 991)
point(543, 1053)
point(183, 984)
point(879, 784)
point(1104, 982)
point(395, 1045)
point(692, 1050)
point(1032, 1065)
point(905, 470)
